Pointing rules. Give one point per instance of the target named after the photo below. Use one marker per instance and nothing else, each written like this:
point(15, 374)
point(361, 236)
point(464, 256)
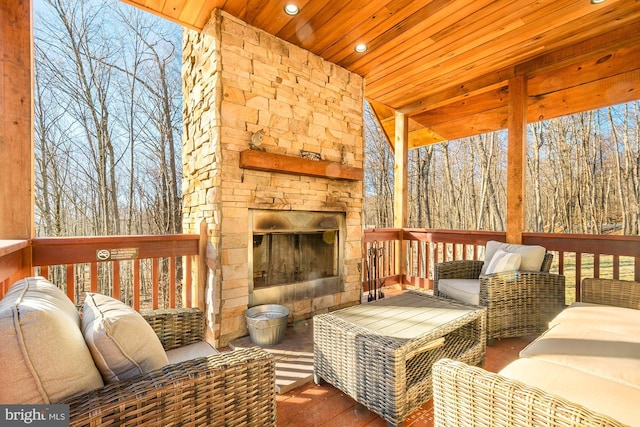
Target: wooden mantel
point(270, 162)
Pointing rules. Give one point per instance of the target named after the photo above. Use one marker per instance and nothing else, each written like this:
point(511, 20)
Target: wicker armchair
point(518, 303)
point(225, 389)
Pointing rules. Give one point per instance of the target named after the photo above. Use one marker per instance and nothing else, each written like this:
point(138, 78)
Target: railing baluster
point(616, 266)
point(116, 279)
point(93, 280)
point(596, 265)
point(71, 288)
point(155, 273)
point(136, 284)
point(429, 266)
point(187, 284)
point(172, 282)
point(578, 275)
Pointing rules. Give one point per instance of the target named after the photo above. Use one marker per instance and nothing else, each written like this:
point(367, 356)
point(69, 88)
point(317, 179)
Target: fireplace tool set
point(374, 271)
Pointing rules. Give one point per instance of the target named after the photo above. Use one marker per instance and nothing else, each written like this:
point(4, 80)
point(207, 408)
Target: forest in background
point(108, 123)
point(108, 120)
point(583, 176)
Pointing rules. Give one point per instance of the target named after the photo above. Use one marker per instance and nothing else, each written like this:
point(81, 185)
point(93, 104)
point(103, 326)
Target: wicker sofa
point(203, 388)
point(519, 302)
point(225, 389)
point(583, 371)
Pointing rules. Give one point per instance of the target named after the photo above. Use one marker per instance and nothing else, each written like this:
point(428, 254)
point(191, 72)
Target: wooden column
point(16, 120)
point(401, 143)
point(517, 156)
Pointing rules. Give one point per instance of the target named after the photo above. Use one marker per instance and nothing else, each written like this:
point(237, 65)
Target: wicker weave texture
point(619, 293)
point(466, 396)
point(177, 327)
point(390, 376)
point(518, 303)
point(234, 388)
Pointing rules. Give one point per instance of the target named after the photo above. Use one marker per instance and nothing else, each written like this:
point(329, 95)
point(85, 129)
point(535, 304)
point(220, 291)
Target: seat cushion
point(43, 356)
point(504, 261)
point(532, 256)
point(464, 290)
point(191, 351)
point(613, 398)
point(590, 349)
point(122, 343)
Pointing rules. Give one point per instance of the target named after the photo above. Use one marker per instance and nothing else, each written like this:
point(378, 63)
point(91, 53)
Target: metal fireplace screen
point(292, 247)
point(281, 258)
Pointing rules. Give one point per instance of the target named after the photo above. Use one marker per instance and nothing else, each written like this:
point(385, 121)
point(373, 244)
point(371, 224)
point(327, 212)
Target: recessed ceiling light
point(360, 48)
point(291, 9)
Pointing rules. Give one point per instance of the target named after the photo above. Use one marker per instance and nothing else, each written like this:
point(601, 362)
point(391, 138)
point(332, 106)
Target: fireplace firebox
point(294, 255)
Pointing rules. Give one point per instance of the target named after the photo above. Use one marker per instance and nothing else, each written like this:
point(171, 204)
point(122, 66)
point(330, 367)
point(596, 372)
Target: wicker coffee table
point(381, 353)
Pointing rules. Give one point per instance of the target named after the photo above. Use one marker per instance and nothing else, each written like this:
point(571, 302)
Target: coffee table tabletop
point(406, 316)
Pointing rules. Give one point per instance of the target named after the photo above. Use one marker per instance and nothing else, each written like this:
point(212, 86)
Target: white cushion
point(191, 351)
point(532, 256)
point(43, 357)
point(122, 343)
point(463, 290)
point(504, 261)
point(613, 398)
point(617, 320)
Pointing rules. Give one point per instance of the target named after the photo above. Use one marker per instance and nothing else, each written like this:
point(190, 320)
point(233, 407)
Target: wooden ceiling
point(446, 63)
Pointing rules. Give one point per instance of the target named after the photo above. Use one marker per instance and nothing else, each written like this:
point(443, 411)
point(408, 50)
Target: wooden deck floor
point(311, 405)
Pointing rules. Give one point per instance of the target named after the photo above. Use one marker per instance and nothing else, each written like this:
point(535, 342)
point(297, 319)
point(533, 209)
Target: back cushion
point(123, 344)
point(43, 356)
point(531, 256)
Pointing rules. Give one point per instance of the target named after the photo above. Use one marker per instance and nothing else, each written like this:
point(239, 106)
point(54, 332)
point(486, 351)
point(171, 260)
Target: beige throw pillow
point(532, 255)
point(43, 356)
point(503, 261)
point(122, 343)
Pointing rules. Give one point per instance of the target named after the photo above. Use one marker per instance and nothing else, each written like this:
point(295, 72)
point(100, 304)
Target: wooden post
point(16, 120)
point(201, 285)
point(400, 187)
point(516, 161)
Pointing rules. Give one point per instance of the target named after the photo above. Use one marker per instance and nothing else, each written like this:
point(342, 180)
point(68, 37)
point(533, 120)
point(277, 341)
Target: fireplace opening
point(282, 258)
point(295, 255)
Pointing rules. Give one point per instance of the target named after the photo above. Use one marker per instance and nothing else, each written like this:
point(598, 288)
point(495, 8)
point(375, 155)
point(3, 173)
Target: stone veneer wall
point(238, 80)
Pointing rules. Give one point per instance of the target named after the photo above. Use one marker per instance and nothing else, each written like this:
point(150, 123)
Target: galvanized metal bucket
point(267, 323)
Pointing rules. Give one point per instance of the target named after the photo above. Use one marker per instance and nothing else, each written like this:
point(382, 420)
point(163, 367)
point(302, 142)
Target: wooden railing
point(15, 262)
point(157, 271)
point(147, 272)
point(575, 256)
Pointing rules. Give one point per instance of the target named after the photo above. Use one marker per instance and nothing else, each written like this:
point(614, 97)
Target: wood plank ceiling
point(445, 63)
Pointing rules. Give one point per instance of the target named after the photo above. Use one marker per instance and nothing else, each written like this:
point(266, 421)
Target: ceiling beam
point(611, 41)
point(587, 82)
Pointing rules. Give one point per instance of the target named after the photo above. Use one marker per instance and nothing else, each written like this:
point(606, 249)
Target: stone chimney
point(247, 90)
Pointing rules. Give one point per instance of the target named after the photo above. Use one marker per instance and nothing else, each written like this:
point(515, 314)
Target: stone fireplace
point(272, 162)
